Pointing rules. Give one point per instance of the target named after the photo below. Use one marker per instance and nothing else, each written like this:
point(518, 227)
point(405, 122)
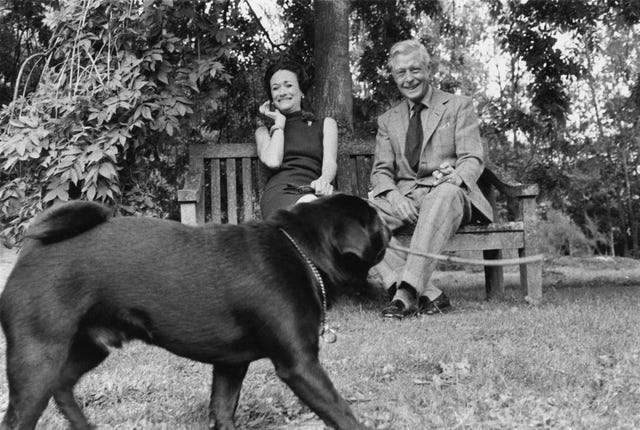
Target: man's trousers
point(441, 212)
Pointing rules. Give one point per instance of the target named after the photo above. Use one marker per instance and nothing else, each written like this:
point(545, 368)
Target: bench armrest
point(190, 198)
point(504, 183)
point(192, 189)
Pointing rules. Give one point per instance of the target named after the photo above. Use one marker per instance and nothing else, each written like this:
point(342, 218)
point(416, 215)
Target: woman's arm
point(270, 142)
point(322, 185)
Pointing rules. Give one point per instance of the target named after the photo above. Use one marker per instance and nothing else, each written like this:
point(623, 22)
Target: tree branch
point(280, 46)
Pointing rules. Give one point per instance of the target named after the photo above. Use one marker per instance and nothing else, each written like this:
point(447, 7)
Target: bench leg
point(531, 279)
point(188, 213)
point(493, 275)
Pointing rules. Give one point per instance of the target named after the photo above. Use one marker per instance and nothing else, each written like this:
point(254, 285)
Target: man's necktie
point(413, 144)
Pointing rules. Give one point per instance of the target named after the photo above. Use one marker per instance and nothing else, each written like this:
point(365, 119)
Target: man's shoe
point(397, 310)
point(440, 305)
point(391, 292)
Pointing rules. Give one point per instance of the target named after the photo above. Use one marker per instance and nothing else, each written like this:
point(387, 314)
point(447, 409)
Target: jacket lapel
point(434, 115)
point(401, 124)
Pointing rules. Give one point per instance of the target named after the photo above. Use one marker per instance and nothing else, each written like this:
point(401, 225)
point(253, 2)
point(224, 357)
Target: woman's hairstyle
point(407, 46)
point(285, 64)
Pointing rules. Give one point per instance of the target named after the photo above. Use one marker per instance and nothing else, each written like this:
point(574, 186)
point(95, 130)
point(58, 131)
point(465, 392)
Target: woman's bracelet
point(273, 129)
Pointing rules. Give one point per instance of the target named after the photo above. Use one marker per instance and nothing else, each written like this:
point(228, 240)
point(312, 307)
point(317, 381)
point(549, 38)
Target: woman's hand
point(275, 115)
point(322, 187)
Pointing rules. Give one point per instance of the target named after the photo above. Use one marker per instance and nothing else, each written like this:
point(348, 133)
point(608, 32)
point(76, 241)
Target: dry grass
point(571, 363)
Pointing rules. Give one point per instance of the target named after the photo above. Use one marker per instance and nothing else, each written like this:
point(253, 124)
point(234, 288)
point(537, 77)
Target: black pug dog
point(220, 294)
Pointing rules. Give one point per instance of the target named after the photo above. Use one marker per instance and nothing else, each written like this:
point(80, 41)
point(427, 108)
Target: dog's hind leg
point(32, 369)
point(225, 392)
point(83, 356)
point(308, 380)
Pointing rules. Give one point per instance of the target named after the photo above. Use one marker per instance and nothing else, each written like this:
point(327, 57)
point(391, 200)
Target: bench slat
point(493, 227)
point(232, 199)
point(216, 194)
point(477, 241)
point(482, 241)
point(246, 189)
point(223, 150)
point(363, 169)
point(346, 177)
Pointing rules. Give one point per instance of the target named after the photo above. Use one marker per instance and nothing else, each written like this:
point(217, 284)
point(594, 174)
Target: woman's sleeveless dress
point(301, 163)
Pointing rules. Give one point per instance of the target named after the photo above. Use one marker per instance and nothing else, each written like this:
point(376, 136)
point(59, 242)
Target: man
point(428, 159)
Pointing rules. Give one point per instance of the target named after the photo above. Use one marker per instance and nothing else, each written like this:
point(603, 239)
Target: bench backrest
point(234, 178)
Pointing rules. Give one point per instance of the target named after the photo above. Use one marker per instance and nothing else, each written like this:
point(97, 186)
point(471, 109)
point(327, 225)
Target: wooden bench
point(224, 185)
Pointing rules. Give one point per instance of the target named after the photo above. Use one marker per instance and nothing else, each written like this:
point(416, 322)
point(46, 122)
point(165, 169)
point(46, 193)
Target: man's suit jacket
point(451, 133)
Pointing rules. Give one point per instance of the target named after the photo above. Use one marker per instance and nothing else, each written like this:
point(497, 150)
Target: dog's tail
point(67, 220)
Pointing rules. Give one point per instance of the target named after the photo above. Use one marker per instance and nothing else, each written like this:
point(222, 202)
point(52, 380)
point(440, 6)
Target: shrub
point(105, 120)
point(560, 235)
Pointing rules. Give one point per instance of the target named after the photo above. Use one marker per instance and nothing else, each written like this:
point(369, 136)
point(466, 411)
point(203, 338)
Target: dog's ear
point(353, 239)
point(66, 220)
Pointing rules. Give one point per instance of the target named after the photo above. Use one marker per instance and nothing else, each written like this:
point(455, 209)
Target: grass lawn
point(572, 362)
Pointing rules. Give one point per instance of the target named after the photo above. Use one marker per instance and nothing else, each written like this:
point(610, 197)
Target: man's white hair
point(408, 46)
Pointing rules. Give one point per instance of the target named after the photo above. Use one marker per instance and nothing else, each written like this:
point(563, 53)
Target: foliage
point(117, 86)
point(559, 235)
point(557, 85)
point(377, 25)
point(566, 115)
point(21, 36)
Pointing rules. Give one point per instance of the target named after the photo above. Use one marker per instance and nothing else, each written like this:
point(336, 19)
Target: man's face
point(410, 75)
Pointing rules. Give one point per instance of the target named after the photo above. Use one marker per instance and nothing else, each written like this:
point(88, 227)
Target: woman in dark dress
point(300, 149)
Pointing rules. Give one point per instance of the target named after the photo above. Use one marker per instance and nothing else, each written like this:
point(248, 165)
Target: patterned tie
point(413, 144)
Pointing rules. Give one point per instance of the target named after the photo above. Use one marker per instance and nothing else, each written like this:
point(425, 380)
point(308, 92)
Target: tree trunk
point(332, 94)
point(633, 224)
point(612, 244)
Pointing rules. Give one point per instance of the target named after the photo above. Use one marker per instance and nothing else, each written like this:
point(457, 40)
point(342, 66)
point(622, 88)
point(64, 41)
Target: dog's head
point(342, 234)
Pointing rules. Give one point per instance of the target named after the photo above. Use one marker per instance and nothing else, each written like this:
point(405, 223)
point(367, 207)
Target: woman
point(301, 149)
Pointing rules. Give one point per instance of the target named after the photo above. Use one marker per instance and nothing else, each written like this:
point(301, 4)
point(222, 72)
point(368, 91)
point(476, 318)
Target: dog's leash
point(477, 262)
point(326, 333)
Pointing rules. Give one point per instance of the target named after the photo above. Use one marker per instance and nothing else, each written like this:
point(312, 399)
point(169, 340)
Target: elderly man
point(428, 159)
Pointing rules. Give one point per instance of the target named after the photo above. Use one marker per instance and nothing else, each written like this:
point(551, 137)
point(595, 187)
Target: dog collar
point(326, 333)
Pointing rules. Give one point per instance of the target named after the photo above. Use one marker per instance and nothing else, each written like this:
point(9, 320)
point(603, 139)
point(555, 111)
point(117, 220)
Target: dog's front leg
point(225, 391)
point(310, 382)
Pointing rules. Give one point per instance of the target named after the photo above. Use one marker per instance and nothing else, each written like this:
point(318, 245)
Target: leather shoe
point(391, 292)
point(440, 305)
point(397, 310)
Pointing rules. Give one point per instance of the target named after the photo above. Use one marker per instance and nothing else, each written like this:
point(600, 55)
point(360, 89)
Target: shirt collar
point(425, 100)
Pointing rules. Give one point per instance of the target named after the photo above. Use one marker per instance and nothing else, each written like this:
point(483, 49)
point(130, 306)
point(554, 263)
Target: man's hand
point(446, 173)
point(403, 206)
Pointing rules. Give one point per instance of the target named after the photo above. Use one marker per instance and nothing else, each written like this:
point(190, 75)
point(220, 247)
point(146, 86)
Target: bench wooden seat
point(224, 185)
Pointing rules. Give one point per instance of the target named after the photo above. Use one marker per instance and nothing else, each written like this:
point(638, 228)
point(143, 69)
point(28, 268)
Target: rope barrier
point(460, 260)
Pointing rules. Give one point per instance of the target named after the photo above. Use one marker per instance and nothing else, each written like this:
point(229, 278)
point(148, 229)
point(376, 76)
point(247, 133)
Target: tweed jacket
point(450, 133)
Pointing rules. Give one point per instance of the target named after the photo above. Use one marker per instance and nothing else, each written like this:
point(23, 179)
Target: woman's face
point(285, 91)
